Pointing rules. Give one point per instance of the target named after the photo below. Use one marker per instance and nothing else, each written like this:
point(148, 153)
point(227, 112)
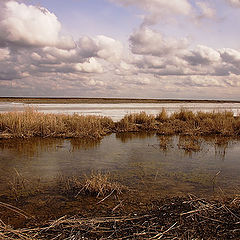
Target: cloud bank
point(36, 57)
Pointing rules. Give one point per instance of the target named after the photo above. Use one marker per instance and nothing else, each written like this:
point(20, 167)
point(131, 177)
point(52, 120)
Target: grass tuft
point(97, 184)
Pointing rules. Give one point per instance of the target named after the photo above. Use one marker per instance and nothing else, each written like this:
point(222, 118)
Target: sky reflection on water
point(141, 161)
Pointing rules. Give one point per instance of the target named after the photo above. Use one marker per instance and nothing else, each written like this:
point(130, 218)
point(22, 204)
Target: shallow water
point(144, 162)
point(117, 111)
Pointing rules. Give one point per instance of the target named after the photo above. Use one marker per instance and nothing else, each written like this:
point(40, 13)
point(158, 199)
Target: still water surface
point(145, 162)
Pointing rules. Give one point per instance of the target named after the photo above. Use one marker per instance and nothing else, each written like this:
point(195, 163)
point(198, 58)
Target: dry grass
point(97, 184)
point(200, 123)
point(162, 116)
point(137, 122)
point(101, 184)
point(178, 218)
point(31, 123)
point(183, 122)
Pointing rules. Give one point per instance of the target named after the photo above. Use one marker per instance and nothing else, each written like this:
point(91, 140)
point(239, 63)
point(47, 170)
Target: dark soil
point(132, 215)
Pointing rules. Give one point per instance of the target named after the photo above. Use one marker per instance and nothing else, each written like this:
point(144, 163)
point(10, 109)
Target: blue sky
point(94, 17)
point(120, 48)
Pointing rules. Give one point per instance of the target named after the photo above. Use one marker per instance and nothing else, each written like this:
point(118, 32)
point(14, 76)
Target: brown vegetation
point(31, 123)
point(188, 123)
point(136, 122)
point(97, 184)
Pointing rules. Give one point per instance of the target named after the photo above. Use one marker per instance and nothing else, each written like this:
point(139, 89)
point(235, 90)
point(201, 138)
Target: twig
point(15, 209)
point(160, 235)
point(106, 196)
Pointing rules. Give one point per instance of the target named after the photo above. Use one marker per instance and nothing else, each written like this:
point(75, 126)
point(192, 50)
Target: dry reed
point(97, 184)
point(32, 123)
point(136, 122)
point(212, 123)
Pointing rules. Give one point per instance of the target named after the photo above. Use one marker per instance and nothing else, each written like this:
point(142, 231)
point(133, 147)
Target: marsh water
point(144, 162)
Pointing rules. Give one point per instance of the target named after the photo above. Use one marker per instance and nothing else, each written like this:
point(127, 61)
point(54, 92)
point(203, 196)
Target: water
point(117, 111)
point(144, 162)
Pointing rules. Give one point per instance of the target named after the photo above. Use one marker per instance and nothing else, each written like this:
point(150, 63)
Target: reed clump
point(96, 184)
point(101, 184)
point(162, 116)
point(187, 122)
point(31, 123)
point(137, 122)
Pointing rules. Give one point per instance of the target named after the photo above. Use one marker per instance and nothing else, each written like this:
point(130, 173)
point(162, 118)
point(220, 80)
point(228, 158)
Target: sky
point(178, 49)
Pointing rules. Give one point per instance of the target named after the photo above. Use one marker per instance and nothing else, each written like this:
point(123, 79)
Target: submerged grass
point(96, 184)
point(31, 123)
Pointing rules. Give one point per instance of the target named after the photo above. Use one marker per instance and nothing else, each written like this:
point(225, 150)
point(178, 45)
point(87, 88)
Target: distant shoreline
point(39, 100)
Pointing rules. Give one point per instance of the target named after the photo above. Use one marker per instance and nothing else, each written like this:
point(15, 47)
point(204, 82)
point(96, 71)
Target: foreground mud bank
point(100, 208)
point(31, 123)
point(125, 218)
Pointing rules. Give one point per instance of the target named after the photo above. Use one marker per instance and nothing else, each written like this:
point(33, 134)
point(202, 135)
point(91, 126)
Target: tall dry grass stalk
point(31, 123)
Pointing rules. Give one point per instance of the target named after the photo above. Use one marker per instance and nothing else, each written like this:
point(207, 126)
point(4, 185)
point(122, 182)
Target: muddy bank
point(98, 207)
point(126, 218)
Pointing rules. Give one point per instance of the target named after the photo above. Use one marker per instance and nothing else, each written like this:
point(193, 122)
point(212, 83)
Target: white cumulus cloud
point(234, 3)
point(101, 46)
point(91, 66)
point(157, 9)
point(27, 25)
point(148, 42)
